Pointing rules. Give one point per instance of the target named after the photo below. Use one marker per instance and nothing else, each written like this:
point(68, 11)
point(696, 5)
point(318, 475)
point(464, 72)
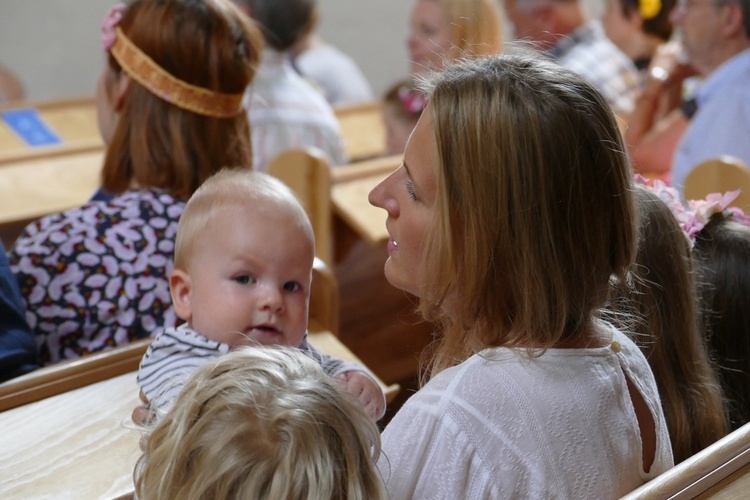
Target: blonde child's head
point(261, 423)
point(243, 261)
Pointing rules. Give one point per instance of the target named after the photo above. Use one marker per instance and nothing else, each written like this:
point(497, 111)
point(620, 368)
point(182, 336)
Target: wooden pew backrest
point(72, 374)
point(307, 173)
point(73, 120)
point(719, 175)
point(362, 129)
point(712, 469)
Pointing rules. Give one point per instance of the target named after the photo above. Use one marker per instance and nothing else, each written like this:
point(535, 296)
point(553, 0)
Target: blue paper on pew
point(29, 126)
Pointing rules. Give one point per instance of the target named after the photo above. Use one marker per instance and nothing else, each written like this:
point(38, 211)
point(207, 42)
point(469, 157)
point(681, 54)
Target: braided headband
point(145, 71)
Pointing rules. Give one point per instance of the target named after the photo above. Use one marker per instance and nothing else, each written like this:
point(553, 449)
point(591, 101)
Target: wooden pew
point(81, 443)
point(351, 186)
point(307, 173)
point(719, 175)
point(362, 129)
point(73, 120)
point(720, 471)
point(36, 187)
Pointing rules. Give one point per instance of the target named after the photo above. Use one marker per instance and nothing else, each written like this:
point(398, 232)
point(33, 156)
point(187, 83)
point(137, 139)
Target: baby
point(243, 268)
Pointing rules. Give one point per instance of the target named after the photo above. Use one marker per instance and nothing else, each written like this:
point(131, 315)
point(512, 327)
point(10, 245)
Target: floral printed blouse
point(98, 276)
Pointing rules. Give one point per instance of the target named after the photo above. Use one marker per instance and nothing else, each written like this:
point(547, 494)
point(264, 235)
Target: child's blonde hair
point(262, 422)
point(228, 188)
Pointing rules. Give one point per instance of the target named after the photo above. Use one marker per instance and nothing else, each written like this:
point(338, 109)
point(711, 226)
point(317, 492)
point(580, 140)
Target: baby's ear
point(179, 289)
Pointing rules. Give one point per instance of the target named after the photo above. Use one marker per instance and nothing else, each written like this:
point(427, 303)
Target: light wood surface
point(77, 445)
point(36, 187)
point(72, 374)
point(81, 444)
point(362, 129)
point(308, 174)
point(351, 186)
point(714, 472)
point(719, 175)
point(73, 120)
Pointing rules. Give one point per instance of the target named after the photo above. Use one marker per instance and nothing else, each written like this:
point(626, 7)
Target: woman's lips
point(392, 245)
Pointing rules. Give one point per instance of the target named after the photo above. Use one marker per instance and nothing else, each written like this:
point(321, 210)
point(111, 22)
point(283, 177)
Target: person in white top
point(512, 211)
point(333, 72)
point(285, 111)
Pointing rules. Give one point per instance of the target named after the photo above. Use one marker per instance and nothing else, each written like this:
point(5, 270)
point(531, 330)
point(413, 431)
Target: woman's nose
point(380, 197)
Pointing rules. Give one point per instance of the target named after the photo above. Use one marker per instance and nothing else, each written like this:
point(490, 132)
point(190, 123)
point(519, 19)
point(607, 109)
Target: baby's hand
point(366, 390)
point(142, 414)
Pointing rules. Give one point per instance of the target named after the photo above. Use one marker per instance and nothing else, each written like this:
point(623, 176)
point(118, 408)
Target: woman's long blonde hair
point(533, 211)
point(262, 422)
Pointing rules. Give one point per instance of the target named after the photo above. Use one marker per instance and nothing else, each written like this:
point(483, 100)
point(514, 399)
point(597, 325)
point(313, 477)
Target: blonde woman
point(444, 30)
point(511, 211)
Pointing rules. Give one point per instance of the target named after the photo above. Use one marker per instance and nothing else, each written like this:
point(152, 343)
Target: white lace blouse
point(504, 425)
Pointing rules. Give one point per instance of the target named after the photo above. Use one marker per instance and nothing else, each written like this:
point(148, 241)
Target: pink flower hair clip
point(412, 99)
point(111, 20)
point(695, 218)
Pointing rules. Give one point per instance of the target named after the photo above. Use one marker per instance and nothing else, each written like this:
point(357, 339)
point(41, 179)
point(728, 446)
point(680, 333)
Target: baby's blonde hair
point(228, 188)
point(262, 422)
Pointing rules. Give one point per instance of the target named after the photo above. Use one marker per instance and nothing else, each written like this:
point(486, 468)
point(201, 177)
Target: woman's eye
point(242, 279)
point(291, 286)
point(410, 190)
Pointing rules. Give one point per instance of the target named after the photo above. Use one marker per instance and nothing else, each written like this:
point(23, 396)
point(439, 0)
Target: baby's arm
point(356, 378)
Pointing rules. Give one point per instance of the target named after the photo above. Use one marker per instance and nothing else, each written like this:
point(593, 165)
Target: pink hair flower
point(695, 217)
point(412, 99)
point(111, 20)
point(713, 204)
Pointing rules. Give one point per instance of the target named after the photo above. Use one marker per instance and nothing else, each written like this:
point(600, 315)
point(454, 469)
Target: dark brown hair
point(722, 256)
point(660, 298)
point(283, 22)
point(207, 43)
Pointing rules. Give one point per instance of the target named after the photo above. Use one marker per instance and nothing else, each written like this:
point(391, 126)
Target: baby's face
point(250, 279)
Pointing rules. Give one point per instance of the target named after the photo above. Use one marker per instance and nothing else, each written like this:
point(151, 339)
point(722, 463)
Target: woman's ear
point(120, 89)
point(179, 289)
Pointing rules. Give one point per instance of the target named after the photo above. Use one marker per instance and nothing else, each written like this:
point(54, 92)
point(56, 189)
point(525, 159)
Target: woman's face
point(430, 36)
point(408, 195)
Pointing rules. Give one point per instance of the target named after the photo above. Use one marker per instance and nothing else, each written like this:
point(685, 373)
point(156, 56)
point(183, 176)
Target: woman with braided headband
point(169, 104)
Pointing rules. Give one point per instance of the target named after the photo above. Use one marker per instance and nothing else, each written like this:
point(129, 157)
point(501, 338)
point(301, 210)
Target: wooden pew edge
point(68, 375)
point(701, 471)
point(65, 102)
point(368, 168)
point(64, 149)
